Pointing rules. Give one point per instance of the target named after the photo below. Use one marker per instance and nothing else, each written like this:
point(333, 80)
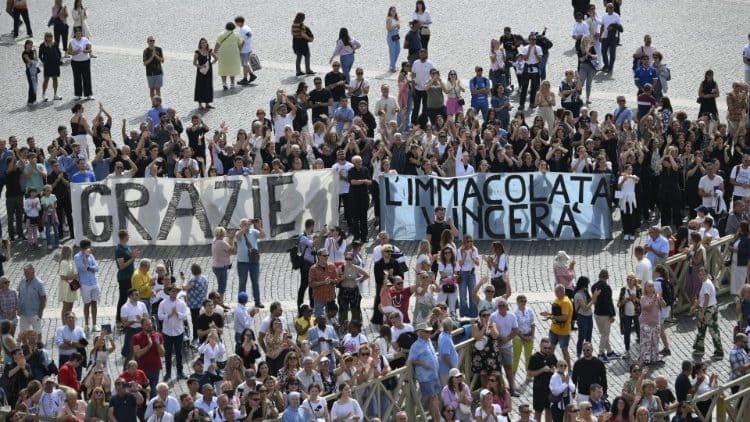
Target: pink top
point(564, 276)
point(220, 252)
point(649, 311)
point(403, 94)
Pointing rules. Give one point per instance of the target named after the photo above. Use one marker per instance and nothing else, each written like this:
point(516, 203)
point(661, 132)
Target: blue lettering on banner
point(500, 206)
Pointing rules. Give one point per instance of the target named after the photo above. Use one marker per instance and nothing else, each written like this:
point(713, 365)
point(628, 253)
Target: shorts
point(540, 400)
point(155, 81)
point(429, 389)
point(557, 339)
point(90, 293)
point(505, 356)
point(245, 59)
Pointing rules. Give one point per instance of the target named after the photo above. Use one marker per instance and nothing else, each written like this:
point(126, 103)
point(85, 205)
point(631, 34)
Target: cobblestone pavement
point(120, 29)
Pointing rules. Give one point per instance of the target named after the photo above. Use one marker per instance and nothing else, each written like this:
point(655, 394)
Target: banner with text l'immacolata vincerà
point(160, 211)
point(500, 206)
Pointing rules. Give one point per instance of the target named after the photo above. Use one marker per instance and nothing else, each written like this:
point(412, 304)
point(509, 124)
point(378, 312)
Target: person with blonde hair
point(629, 306)
point(650, 327)
point(68, 274)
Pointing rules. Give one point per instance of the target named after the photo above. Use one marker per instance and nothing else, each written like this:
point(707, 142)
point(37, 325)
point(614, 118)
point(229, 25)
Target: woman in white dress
point(79, 16)
point(423, 16)
point(740, 248)
point(346, 409)
point(67, 272)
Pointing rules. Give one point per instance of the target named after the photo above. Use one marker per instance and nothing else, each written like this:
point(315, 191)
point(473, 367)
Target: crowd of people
point(692, 174)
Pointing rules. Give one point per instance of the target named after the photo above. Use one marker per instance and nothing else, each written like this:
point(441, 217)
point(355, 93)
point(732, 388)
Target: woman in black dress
point(301, 37)
point(203, 60)
point(707, 94)
point(32, 68)
point(49, 54)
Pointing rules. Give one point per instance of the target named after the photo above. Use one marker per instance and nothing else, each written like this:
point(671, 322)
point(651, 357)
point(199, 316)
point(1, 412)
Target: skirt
point(738, 276)
point(64, 293)
point(484, 361)
point(453, 106)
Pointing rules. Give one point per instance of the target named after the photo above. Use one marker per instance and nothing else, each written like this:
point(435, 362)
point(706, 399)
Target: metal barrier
point(678, 266)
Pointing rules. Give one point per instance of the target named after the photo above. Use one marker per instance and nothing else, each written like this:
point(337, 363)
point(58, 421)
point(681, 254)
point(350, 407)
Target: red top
point(140, 377)
point(151, 361)
point(68, 376)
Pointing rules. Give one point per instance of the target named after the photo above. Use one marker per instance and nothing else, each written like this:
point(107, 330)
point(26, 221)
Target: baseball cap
point(242, 297)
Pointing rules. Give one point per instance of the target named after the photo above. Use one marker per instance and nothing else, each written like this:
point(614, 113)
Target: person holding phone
point(248, 256)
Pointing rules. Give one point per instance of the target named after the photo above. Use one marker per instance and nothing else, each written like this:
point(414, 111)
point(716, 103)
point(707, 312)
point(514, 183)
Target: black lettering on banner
point(532, 193)
point(105, 220)
point(489, 222)
point(476, 218)
point(124, 216)
point(231, 205)
point(508, 181)
point(388, 186)
point(449, 185)
point(602, 190)
point(488, 182)
point(256, 199)
point(274, 205)
point(513, 221)
point(568, 219)
point(196, 210)
point(410, 191)
point(537, 220)
point(428, 186)
point(581, 183)
point(472, 191)
point(559, 188)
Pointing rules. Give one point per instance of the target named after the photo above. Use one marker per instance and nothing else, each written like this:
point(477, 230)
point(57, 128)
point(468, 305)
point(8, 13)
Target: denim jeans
point(153, 379)
point(467, 307)
point(394, 48)
point(585, 329)
point(253, 270)
point(347, 61)
point(221, 274)
point(51, 233)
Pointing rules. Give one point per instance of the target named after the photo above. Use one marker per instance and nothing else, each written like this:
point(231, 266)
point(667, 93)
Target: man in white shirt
point(247, 48)
point(709, 186)
point(463, 167)
point(171, 404)
point(656, 247)
point(532, 54)
point(307, 375)
point(386, 107)
point(643, 269)
point(421, 73)
point(507, 326)
point(131, 314)
point(580, 28)
point(707, 313)
point(283, 115)
point(609, 37)
point(51, 397)
point(187, 161)
point(68, 338)
point(243, 317)
point(173, 313)
point(594, 23)
point(740, 178)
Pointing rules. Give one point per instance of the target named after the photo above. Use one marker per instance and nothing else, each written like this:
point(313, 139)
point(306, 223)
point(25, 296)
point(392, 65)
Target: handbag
point(481, 344)
point(203, 69)
point(74, 284)
point(254, 62)
point(395, 37)
point(449, 285)
point(253, 255)
point(461, 100)
point(424, 31)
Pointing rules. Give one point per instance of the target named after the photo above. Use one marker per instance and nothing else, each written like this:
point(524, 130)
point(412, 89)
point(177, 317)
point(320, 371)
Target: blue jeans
point(630, 324)
point(482, 107)
point(406, 114)
point(253, 270)
point(347, 61)
point(222, 275)
point(51, 233)
point(543, 67)
point(585, 329)
point(394, 48)
point(467, 307)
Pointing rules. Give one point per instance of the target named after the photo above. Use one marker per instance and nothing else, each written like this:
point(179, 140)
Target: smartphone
point(107, 328)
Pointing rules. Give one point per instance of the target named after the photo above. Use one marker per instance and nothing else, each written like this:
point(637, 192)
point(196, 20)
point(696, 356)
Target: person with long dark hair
point(80, 50)
point(203, 59)
point(31, 61)
point(583, 303)
point(301, 38)
point(392, 27)
point(423, 16)
point(707, 94)
point(49, 54)
point(59, 19)
point(345, 48)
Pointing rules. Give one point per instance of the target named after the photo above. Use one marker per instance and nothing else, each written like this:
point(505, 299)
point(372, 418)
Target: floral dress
point(484, 361)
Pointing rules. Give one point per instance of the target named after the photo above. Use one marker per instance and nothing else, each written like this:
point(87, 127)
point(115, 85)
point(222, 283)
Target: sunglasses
point(158, 407)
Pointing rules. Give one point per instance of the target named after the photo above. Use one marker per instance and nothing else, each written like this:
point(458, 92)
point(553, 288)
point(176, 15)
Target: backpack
point(667, 292)
point(295, 257)
point(544, 42)
point(405, 340)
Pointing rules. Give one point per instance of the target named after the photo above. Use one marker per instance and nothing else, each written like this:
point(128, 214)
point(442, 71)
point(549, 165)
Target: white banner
point(183, 212)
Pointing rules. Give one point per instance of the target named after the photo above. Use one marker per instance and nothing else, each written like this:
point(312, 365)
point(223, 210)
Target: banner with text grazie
point(500, 206)
point(159, 211)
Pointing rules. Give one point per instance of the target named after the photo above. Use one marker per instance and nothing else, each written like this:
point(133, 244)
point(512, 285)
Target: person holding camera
point(532, 55)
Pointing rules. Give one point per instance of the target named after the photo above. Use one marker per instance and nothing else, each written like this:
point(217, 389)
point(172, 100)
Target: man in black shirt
point(60, 183)
point(435, 230)
point(14, 199)
point(188, 411)
point(587, 371)
point(541, 367)
point(208, 320)
point(682, 384)
point(367, 117)
point(321, 100)
point(413, 41)
point(604, 314)
point(359, 198)
point(123, 405)
point(336, 83)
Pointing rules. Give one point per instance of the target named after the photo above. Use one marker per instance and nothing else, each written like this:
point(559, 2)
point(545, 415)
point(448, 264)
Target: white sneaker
point(46, 99)
point(57, 98)
point(77, 99)
point(95, 328)
point(89, 98)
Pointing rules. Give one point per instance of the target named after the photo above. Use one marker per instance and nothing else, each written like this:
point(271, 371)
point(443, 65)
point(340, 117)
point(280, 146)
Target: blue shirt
point(30, 295)
point(83, 177)
point(622, 116)
point(661, 245)
point(153, 115)
point(446, 347)
point(293, 415)
point(68, 163)
point(645, 75)
point(234, 172)
point(243, 255)
point(101, 169)
point(86, 270)
point(422, 350)
point(198, 292)
point(4, 161)
point(479, 83)
point(342, 116)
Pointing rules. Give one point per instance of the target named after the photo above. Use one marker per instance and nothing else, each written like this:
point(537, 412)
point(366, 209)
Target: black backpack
point(295, 257)
point(667, 292)
point(544, 42)
point(405, 340)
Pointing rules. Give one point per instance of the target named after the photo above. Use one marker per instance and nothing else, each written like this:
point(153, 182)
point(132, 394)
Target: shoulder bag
point(254, 62)
point(253, 253)
point(461, 100)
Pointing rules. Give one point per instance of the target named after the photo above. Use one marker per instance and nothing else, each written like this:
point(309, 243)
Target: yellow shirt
point(563, 328)
point(302, 322)
point(142, 282)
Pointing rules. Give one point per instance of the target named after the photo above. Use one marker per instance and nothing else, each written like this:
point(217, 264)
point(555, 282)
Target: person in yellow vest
point(144, 282)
